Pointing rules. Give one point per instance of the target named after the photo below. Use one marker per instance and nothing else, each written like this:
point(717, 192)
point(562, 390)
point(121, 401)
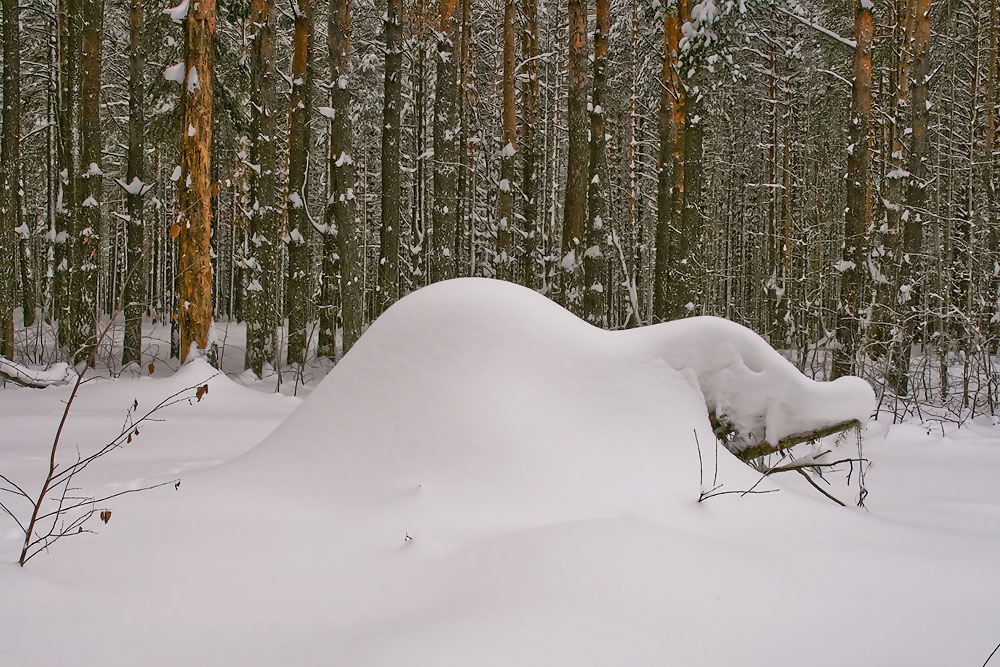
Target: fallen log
point(763, 448)
point(23, 376)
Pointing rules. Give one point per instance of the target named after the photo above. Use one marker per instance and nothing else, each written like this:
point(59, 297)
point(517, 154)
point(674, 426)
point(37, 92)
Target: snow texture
point(484, 479)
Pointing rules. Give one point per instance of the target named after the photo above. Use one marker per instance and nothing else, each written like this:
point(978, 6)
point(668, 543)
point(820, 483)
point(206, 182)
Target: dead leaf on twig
point(200, 393)
point(105, 515)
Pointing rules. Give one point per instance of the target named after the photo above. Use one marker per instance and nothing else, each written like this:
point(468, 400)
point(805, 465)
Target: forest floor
point(263, 561)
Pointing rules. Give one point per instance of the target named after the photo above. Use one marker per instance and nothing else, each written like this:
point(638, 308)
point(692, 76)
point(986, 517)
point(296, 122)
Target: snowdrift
point(487, 480)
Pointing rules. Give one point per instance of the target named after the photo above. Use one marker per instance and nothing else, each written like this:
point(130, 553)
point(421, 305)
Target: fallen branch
point(763, 448)
point(59, 374)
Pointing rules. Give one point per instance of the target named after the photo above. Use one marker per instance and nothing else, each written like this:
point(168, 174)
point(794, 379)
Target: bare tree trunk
point(465, 185)
point(134, 296)
point(575, 210)
point(87, 241)
point(446, 131)
point(689, 264)
point(348, 232)
point(194, 267)
point(913, 232)
point(505, 249)
point(990, 175)
point(859, 198)
point(10, 172)
point(299, 226)
point(262, 247)
point(598, 223)
point(670, 176)
point(532, 232)
point(388, 271)
point(66, 198)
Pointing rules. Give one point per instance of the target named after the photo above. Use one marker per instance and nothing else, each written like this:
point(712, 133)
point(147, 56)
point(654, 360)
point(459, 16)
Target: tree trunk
point(66, 198)
point(532, 231)
point(916, 196)
point(990, 175)
point(10, 173)
point(388, 269)
point(299, 226)
point(594, 264)
point(857, 218)
point(348, 232)
point(689, 263)
point(505, 249)
point(134, 294)
point(575, 209)
point(446, 131)
point(194, 267)
point(86, 241)
point(670, 175)
point(263, 243)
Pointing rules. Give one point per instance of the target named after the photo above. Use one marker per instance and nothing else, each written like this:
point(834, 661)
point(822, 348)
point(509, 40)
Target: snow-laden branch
point(58, 374)
point(843, 41)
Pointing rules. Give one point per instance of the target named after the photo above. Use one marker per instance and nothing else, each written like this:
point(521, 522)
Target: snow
point(174, 73)
point(136, 186)
point(484, 479)
point(179, 13)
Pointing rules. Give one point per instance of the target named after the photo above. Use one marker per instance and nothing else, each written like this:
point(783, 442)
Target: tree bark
point(594, 264)
point(263, 240)
point(388, 269)
point(532, 231)
point(446, 131)
point(575, 209)
point(299, 226)
point(10, 173)
point(857, 218)
point(66, 196)
point(348, 232)
point(670, 173)
point(916, 196)
point(194, 267)
point(134, 295)
point(505, 248)
point(86, 240)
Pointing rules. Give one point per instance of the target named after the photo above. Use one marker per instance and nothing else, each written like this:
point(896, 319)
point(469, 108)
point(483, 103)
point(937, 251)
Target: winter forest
point(735, 367)
point(824, 174)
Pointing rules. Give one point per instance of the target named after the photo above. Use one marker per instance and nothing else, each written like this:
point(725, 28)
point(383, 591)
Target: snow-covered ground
point(486, 480)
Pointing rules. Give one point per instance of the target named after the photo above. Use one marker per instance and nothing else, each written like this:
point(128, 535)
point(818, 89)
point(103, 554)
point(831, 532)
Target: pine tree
point(10, 176)
point(134, 296)
point(299, 226)
point(194, 230)
point(263, 236)
point(388, 271)
point(859, 197)
point(575, 211)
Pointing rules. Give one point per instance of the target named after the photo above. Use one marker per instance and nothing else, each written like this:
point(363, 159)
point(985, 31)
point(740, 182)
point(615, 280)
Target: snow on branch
point(843, 41)
point(58, 374)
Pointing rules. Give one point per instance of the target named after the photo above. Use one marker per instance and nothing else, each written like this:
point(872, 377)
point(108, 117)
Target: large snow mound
point(503, 398)
point(487, 480)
